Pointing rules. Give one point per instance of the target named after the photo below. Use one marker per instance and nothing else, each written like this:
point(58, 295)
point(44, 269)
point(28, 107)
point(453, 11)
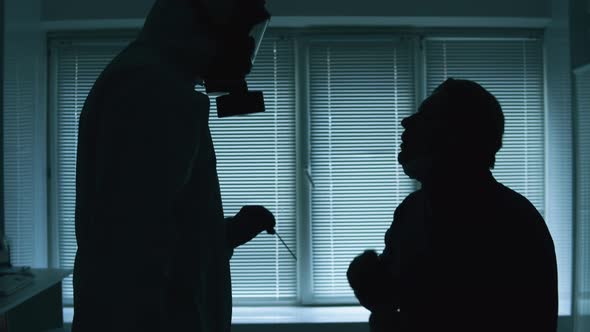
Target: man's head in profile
point(457, 129)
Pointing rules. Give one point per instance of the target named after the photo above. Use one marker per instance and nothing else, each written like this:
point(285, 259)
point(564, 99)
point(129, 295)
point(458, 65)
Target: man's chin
point(410, 172)
point(415, 168)
point(404, 159)
point(401, 157)
point(406, 164)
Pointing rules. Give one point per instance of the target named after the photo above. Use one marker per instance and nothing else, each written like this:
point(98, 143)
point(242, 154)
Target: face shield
point(257, 33)
point(227, 79)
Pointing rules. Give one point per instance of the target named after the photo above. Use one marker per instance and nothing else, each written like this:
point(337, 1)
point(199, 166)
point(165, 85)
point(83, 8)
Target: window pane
point(18, 161)
point(359, 93)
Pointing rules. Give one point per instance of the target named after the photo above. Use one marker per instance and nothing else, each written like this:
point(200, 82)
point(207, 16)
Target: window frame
point(303, 38)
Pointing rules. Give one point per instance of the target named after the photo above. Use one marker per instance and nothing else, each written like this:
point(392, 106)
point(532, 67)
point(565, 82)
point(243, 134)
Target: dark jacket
point(476, 256)
point(152, 248)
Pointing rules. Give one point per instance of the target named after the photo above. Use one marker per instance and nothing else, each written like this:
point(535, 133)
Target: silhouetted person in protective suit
point(464, 253)
point(153, 246)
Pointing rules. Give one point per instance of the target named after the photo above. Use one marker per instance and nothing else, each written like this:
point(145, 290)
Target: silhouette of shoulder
point(516, 202)
point(413, 200)
point(526, 224)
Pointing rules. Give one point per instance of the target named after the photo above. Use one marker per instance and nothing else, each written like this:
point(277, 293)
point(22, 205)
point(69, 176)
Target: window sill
point(299, 315)
point(285, 315)
point(344, 319)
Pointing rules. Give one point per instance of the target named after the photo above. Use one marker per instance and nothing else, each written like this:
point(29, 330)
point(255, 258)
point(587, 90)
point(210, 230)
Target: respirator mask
point(238, 26)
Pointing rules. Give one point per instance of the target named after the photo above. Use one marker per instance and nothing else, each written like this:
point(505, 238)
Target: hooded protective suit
point(152, 248)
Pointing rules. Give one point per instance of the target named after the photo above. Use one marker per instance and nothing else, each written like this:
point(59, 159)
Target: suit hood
point(173, 29)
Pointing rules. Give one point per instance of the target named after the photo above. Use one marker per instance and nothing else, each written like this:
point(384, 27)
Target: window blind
point(256, 166)
point(582, 285)
point(255, 154)
point(360, 90)
point(19, 139)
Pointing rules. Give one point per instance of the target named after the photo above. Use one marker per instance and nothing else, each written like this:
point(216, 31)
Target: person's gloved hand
point(249, 222)
point(371, 282)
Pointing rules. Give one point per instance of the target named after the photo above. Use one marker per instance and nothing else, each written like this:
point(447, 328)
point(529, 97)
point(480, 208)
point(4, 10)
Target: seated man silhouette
point(464, 253)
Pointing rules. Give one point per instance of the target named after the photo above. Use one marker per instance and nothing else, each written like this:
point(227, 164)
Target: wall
point(57, 10)
point(580, 32)
point(582, 253)
point(580, 56)
point(559, 142)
